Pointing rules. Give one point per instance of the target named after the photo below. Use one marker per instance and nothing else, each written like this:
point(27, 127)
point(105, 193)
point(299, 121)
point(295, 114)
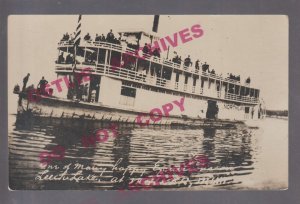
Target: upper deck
point(225, 89)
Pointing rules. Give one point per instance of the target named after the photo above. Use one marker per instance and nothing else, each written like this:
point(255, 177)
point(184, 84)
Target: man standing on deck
point(110, 36)
point(197, 65)
point(25, 80)
point(42, 85)
point(205, 67)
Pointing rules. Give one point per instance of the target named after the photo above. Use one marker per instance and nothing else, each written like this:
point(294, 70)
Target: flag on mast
point(76, 44)
point(77, 40)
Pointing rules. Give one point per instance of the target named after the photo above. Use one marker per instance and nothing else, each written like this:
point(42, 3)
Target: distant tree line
point(277, 113)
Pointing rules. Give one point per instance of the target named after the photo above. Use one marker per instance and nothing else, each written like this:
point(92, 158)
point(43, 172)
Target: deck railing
point(235, 97)
point(140, 77)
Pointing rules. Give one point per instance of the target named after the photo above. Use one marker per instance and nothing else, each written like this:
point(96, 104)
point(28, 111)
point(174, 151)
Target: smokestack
point(155, 23)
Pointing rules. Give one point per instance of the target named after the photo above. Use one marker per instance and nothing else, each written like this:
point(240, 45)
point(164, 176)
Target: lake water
point(242, 158)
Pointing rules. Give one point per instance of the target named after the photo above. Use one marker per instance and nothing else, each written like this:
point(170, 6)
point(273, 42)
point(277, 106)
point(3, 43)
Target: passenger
point(80, 92)
point(42, 85)
point(187, 61)
point(17, 88)
point(116, 41)
point(103, 38)
point(85, 92)
point(156, 52)
point(93, 95)
point(175, 59)
point(146, 49)
point(25, 80)
point(69, 59)
point(110, 37)
point(231, 76)
point(144, 72)
point(93, 57)
point(216, 111)
point(197, 65)
point(205, 67)
point(119, 41)
point(213, 71)
point(61, 58)
point(238, 78)
point(88, 57)
point(71, 38)
point(87, 37)
point(248, 80)
point(67, 37)
point(179, 60)
point(97, 38)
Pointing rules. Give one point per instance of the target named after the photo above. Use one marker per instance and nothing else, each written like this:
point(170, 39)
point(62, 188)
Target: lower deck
point(105, 91)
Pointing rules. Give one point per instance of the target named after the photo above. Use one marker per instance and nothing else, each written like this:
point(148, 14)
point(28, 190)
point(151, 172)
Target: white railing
point(193, 89)
point(235, 97)
point(201, 91)
point(154, 81)
point(176, 85)
point(64, 67)
point(185, 87)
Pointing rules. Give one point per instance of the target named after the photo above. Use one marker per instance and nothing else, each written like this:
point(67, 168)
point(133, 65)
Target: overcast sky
point(255, 46)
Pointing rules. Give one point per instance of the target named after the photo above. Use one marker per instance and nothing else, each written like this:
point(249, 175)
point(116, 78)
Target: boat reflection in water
point(135, 153)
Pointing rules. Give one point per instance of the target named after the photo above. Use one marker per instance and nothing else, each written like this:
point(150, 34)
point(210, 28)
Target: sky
point(246, 45)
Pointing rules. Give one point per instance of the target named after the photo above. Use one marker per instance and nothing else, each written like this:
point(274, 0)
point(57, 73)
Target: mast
point(76, 44)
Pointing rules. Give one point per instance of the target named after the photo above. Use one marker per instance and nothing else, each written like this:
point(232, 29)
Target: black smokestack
point(155, 23)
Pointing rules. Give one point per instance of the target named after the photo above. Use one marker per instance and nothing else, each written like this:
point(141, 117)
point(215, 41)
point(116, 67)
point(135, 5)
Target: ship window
point(242, 91)
point(126, 91)
point(247, 91)
point(90, 55)
point(237, 90)
point(101, 56)
point(231, 88)
point(167, 73)
point(257, 93)
point(251, 92)
point(115, 60)
point(246, 109)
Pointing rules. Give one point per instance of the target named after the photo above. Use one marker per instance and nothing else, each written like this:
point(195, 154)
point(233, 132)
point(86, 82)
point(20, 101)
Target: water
point(241, 158)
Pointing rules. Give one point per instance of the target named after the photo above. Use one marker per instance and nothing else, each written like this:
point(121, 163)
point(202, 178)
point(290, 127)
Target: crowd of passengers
point(110, 37)
point(147, 49)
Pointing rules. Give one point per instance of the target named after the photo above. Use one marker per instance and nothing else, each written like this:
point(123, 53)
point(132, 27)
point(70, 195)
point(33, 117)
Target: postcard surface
point(148, 102)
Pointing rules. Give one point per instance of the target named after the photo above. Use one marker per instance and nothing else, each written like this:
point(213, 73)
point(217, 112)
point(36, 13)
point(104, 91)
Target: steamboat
point(123, 85)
